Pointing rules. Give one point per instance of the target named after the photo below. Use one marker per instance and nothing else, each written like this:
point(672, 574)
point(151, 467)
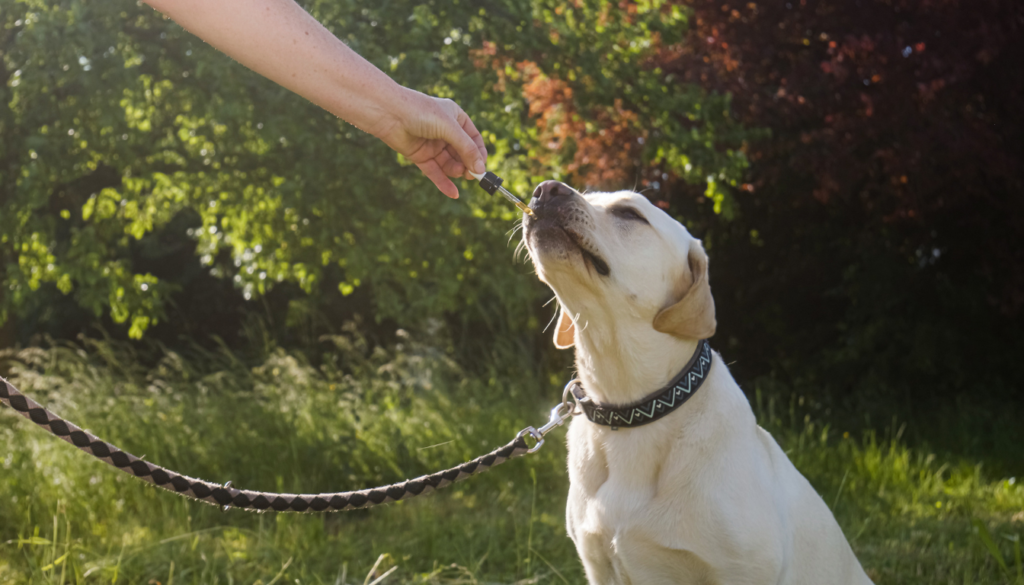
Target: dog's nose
point(549, 191)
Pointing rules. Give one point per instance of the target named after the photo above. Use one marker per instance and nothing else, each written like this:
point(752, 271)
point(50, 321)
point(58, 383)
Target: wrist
point(392, 112)
point(363, 95)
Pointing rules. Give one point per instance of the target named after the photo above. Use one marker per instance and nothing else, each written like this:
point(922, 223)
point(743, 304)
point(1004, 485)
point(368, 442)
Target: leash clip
point(559, 414)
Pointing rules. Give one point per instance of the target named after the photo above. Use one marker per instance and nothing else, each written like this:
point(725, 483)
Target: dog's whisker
point(549, 301)
point(510, 236)
point(552, 319)
point(518, 224)
point(575, 319)
point(516, 256)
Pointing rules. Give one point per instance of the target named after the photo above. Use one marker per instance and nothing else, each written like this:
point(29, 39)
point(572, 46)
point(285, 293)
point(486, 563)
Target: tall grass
point(911, 517)
point(365, 416)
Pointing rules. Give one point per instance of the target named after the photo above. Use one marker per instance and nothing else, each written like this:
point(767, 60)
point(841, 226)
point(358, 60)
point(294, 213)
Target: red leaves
point(904, 109)
point(869, 105)
point(604, 156)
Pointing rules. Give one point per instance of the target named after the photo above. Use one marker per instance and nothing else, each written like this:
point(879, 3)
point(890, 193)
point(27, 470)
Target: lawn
point(363, 416)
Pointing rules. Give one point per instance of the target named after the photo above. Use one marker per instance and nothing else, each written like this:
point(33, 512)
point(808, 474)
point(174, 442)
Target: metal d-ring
point(567, 394)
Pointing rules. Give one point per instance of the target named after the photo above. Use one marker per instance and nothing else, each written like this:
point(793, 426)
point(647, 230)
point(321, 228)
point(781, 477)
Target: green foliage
point(682, 126)
point(116, 122)
point(1017, 576)
point(369, 415)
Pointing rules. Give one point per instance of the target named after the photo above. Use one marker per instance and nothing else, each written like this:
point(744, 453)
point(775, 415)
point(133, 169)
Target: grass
point(366, 416)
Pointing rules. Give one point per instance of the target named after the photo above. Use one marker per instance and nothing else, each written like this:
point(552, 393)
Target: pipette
point(491, 183)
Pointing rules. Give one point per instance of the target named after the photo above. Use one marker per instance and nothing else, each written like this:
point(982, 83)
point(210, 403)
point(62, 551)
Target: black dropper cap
point(491, 182)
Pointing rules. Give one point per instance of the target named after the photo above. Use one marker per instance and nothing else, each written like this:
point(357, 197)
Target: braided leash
point(229, 497)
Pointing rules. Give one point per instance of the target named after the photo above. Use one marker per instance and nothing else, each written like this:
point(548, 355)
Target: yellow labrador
point(672, 481)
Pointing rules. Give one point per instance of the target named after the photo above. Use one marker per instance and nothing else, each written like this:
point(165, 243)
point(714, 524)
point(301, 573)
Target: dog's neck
point(620, 364)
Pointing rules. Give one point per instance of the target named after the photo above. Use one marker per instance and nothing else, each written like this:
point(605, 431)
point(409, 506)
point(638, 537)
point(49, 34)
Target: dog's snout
point(547, 192)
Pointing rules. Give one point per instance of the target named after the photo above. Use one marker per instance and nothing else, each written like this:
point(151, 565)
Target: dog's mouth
point(591, 259)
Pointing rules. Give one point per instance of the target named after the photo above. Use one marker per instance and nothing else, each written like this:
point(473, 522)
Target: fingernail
point(478, 167)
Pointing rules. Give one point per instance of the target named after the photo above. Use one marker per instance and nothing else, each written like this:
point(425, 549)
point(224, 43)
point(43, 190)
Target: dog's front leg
point(594, 549)
point(650, 563)
point(597, 562)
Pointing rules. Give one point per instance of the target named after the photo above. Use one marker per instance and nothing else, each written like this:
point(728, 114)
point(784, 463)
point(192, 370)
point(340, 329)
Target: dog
point(698, 494)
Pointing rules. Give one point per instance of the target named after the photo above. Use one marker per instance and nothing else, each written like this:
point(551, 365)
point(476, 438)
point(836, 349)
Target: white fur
point(704, 495)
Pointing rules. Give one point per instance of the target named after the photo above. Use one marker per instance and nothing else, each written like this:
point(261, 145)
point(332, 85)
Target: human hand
point(437, 136)
point(284, 43)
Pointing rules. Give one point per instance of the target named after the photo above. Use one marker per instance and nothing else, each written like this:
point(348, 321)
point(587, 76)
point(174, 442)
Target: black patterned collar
point(655, 405)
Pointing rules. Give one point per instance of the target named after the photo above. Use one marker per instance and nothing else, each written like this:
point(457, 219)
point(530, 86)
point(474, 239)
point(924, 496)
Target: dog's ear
point(565, 331)
point(693, 315)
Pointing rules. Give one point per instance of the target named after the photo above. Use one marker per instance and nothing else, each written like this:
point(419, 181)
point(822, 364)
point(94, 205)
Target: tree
point(127, 141)
point(610, 116)
point(906, 112)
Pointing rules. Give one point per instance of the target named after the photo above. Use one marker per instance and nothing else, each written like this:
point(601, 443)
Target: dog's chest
point(617, 481)
point(623, 503)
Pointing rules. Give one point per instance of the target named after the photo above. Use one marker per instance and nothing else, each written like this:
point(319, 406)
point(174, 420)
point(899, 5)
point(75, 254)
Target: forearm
point(281, 41)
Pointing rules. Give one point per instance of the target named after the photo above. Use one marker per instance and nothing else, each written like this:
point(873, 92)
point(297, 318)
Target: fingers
point(448, 159)
point(441, 139)
point(452, 164)
point(478, 141)
point(462, 135)
point(442, 154)
point(453, 168)
point(470, 129)
point(433, 171)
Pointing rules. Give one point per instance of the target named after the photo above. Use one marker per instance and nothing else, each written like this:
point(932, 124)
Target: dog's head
point(617, 259)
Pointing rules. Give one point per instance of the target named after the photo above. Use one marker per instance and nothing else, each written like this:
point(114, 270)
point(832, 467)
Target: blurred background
point(204, 268)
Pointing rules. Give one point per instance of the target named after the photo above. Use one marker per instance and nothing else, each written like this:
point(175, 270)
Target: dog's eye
point(629, 213)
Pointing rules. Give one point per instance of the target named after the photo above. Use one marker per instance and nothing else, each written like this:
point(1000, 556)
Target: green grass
point(367, 416)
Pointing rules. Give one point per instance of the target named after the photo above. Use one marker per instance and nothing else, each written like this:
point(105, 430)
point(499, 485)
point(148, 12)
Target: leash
point(227, 497)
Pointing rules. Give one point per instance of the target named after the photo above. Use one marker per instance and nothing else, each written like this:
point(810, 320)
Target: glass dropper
point(491, 183)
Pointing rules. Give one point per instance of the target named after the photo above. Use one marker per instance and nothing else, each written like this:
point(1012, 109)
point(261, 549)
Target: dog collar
point(655, 405)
